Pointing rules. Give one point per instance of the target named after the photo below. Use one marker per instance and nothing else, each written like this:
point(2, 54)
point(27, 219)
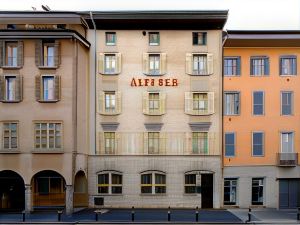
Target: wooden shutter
point(163, 63)
point(57, 87)
point(118, 102)
point(101, 103)
point(20, 54)
point(2, 88)
point(38, 94)
point(162, 102)
point(145, 63)
point(267, 66)
point(39, 53)
point(101, 63)
point(210, 63)
point(19, 88)
point(2, 53)
point(238, 66)
point(119, 63)
point(146, 143)
point(56, 53)
point(188, 63)
point(146, 103)
point(188, 102)
point(211, 103)
point(162, 143)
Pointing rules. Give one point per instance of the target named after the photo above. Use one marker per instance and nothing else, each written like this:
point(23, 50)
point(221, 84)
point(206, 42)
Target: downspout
point(94, 74)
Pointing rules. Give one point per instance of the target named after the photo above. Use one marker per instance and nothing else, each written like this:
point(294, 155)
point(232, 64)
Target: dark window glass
point(257, 143)
point(229, 144)
point(257, 191)
point(258, 103)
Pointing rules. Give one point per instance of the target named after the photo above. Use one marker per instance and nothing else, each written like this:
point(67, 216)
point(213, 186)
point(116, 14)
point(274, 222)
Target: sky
point(243, 14)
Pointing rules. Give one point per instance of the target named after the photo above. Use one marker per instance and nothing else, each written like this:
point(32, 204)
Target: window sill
point(287, 75)
point(154, 75)
point(103, 194)
point(110, 44)
point(48, 101)
point(14, 101)
point(11, 67)
point(47, 67)
point(199, 75)
point(109, 114)
point(153, 195)
point(10, 151)
point(110, 74)
point(47, 151)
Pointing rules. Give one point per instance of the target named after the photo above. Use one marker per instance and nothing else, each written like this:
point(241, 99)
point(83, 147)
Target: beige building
point(43, 110)
point(157, 109)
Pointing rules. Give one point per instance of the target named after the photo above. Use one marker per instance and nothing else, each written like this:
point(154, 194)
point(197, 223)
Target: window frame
point(265, 66)
point(231, 187)
point(158, 38)
point(153, 184)
point(43, 88)
point(199, 72)
point(263, 143)
point(106, 38)
point(110, 184)
point(6, 78)
point(263, 190)
point(263, 103)
point(195, 34)
point(290, 57)
point(6, 59)
point(111, 99)
point(200, 110)
point(156, 142)
point(47, 45)
point(237, 68)
point(10, 122)
point(292, 103)
point(293, 141)
point(112, 141)
point(157, 59)
point(112, 71)
point(201, 151)
point(234, 144)
point(239, 105)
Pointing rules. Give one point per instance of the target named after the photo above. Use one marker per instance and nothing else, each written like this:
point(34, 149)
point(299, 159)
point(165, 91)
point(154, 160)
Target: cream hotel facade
point(118, 109)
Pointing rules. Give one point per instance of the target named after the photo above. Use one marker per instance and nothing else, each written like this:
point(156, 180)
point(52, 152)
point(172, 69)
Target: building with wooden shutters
point(156, 108)
point(43, 110)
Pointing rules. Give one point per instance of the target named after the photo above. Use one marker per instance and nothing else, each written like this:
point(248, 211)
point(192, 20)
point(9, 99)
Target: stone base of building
point(174, 167)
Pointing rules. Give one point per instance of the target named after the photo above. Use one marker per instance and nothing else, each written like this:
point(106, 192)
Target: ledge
point(11, 151)
point(153, 126)
point(200, 126)
point(109, 126)
point(48, 151)
point(11, 67)
point(47, 67)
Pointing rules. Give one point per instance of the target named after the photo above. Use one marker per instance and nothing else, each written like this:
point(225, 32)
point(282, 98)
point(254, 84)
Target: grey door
point(289, 193)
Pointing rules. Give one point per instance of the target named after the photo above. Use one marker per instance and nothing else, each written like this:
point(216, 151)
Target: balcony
point(287, 159)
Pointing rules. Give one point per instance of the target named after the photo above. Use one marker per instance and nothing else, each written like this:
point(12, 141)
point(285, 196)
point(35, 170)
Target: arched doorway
point(12, 191)
point(48, 190)
point(80, 190)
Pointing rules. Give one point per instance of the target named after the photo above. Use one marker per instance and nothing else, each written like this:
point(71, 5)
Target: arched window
point(110, 182)
point(153, 182)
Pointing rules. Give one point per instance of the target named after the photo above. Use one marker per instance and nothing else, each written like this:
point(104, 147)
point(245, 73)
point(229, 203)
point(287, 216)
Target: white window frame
point(281, 102)
point(293, 141)
point(106, 38)
point(154, 65)
point(10, 135)
point(14, 58)
point(110, 63)
point(46, 76)
point(48, 59)
point(38, 133)
point(231, 187)
point(226, 104)
point(263, 143)
point(263, 103)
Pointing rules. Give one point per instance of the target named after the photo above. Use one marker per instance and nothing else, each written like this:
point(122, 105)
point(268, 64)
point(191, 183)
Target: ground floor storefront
point(265, 186)
point(155, 181)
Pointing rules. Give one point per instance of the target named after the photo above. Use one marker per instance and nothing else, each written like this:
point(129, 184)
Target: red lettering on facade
point(174, 82)
point(133, 83)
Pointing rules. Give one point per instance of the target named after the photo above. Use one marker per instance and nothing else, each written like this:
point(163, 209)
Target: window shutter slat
point(210, 63)
point(20, 54)
point(188, 63)
point(2, 53)
point(163, 63)
point(39, 53)
point(145, 63)
point(119, 102)
point(57, 87)
point(162, 107)
point(119, 63)
point(211, 103)
point(294, 66)
point(38, 80)
point(19, 88)
point(146, 103)
point(145, 143)
point(238, 66)
point(2, 88)
point(101, 63)
point(57, 53)
point(267, 66)
point(280, 66)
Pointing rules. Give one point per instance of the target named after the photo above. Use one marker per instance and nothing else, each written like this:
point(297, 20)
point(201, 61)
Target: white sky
point(243, 14)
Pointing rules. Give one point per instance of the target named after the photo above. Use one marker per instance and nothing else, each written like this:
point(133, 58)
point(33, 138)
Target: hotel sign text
point(166, 82)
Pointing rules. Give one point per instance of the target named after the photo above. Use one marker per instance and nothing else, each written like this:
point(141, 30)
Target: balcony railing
point(287, 159)
point(172, 143)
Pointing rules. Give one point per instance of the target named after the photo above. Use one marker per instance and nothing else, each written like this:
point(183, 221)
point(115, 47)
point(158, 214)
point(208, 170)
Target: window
point(232, 66)
point(199, 38)
point(258, 103)
point(10, 135)
point(10, 87)
point(46, 185)
point(154, 64)
point(232, 103)
point(257, 143)
point(154, 102)
point(48, 54)
point(288, 65)
point(48, 88)
point(110, 38)
point(257, 191)
point(153, 183)
point(200, 64)
point(190, 183)
point(259, 66)
point(286, 103)
point(154, 38)
point(11, 54)
point(200, 102)
point(109, 142)
point(153, 143)
point(110, 183)
point(229, 144)
point(48, 135)
point(110, 102)
point(287, 142)
point(110, 63)
point(230, 191)
point(200, 143)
